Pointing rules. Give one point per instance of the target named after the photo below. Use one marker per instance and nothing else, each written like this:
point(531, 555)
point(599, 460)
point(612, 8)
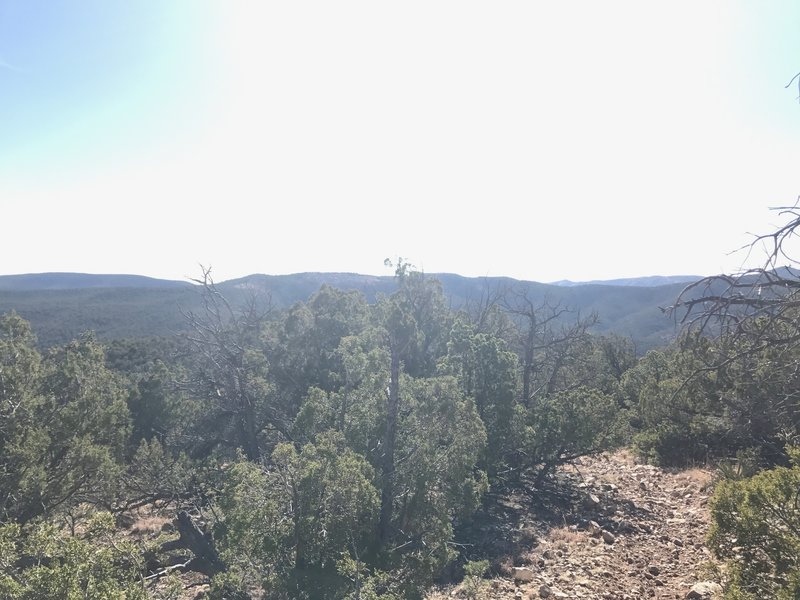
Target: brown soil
point(623, 531)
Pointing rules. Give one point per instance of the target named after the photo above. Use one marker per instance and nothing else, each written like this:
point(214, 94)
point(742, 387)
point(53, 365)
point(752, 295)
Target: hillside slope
point(74, 281)
point(624, 531)
point(62, 305)
point(650, 281)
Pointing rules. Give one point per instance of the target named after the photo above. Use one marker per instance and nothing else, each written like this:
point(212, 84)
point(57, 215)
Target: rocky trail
point(625, 531)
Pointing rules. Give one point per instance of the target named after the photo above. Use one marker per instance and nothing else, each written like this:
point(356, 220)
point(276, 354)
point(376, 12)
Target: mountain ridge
point(63, 280)
point(60, 280)
point(118, 306)
point(647, 281)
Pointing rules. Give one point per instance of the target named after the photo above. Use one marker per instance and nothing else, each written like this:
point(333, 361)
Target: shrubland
point(728, 392)
point(328, 450)
point(334, 449)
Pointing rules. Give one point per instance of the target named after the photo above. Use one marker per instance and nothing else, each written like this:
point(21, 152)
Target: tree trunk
point(527, 367)
point(552, 382)
point(200, 543)
point(248, 433)
point(343, 411)
point(247, 421)
point(393, 406)
point(300, 562)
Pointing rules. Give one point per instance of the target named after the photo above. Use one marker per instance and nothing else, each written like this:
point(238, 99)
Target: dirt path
point(633, 531)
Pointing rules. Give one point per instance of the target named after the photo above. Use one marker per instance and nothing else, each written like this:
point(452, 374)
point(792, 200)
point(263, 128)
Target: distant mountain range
point(651, 281)
point(62, 305)
point(77, 281)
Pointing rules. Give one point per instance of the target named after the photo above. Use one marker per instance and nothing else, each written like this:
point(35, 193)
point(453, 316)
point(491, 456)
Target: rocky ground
point(625, 531)
point(609, 529)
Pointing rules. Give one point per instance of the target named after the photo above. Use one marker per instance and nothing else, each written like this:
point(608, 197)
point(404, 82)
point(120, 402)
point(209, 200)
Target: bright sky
point(539, 140)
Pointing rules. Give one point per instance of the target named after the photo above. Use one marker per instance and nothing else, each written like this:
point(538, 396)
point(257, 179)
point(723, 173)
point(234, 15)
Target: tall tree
point(64, 428)
point(230, 373)
point(400, 332)
point(487, 374)
point(546, 343)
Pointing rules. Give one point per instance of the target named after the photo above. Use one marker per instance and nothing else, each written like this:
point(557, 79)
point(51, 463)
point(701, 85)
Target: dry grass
point(702, 479)
point(504, 566)
point(565, 535)
point(149, 524)
point(626, 455)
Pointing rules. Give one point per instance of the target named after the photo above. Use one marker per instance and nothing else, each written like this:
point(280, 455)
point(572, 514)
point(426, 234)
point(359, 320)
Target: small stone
point(653, 570)
point(125, 520)
point(704, 590)
point(544, 591)
point(609, 537)
point(594, 528)
point(528, 535)
point(523, 574)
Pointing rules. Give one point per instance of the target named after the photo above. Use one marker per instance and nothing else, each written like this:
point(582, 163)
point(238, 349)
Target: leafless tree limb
point(751, 303)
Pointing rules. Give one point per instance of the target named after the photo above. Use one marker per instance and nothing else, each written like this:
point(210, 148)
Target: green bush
point(286, 528)
point(756, 527)
point(474, 572)
point(566, 426)
point(42, 563)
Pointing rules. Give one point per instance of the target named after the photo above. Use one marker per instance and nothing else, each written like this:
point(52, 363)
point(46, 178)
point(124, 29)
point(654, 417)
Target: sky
point(538, 140)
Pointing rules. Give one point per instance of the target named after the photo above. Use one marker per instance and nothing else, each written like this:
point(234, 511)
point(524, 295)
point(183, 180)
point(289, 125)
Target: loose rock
point(608, 537)
point(704, 589)
point(634, 542)
point(523, 574)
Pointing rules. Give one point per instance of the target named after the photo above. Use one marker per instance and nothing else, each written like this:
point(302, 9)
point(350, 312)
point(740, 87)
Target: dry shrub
point(702, 479)
point(504, 566)
point(149, 524)
point(626, 456)
point(565, 535)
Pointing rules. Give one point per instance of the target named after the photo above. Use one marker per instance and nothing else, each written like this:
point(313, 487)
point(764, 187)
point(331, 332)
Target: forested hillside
point(320, 434)
point(340, 448)
point(329, 450)
point(61, 306)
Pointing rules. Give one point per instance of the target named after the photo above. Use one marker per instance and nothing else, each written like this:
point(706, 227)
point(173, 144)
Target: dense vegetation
point(329, 450)
point(335, 448)
point(61, 306)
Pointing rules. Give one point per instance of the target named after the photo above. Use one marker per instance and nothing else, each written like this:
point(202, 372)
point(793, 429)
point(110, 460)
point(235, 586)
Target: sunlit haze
point(538, 140)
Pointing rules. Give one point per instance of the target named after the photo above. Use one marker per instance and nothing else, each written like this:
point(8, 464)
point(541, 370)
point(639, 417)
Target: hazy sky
point(539, 140)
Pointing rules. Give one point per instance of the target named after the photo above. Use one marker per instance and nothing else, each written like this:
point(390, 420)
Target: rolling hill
point(650, 281)
point(73, 281)
point(60, 306)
